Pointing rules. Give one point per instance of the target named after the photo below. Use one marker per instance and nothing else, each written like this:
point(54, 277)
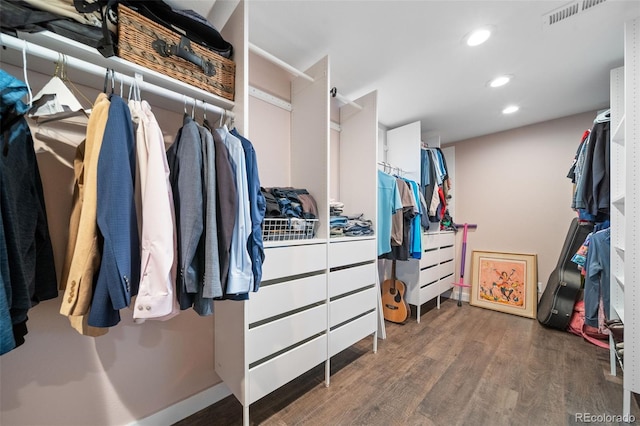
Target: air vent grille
point(568, 10)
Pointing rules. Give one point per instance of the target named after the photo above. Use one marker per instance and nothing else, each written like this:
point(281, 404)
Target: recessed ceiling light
point(510, 109)
point(478, 36)
point(500, 81)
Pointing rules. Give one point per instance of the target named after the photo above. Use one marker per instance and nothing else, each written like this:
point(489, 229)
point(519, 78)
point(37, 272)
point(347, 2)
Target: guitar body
point(394, 307)
point(556, 304)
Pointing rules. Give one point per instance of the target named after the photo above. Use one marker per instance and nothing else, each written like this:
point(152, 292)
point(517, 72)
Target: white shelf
point(619, 250)
point(73, 49)
point(618, 133)
point(344, 239)
point(620, 281)
point(618, 201)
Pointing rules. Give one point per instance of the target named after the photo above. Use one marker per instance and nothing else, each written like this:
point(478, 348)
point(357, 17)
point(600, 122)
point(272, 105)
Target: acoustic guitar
point(394, 307)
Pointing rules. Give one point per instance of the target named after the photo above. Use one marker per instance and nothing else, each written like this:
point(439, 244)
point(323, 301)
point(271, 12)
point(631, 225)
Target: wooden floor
point(459, 366)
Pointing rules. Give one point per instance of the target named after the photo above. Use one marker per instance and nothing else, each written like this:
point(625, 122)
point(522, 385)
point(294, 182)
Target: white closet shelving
point(353, 292)
point(433, 274)
point(625, 209)
point(317, 296)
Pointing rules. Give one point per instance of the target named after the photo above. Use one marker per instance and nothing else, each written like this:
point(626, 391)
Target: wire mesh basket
point(281, 229)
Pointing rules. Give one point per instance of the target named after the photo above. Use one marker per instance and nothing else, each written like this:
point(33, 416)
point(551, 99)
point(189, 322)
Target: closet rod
point(335, 94)
point(268, 56)
point(88, 67)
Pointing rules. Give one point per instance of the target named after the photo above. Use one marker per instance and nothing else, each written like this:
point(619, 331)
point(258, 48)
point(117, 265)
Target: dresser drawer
point(277, 335)
point(446, 253)
point(282, 262)
point(351, 306)
point(429, 258)
point(446, 239)
point(350, 279)
point(275, 299)
point(343, 253)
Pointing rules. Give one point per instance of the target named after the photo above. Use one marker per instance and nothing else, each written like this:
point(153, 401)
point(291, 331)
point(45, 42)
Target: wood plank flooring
point(459, 366)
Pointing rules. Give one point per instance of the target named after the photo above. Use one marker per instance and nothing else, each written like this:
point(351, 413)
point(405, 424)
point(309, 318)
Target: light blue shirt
point(389, 202)
point(415, 249)
point(240, 266)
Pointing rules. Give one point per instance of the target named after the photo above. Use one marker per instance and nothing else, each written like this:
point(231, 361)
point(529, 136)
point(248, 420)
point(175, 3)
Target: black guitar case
point(556, 304)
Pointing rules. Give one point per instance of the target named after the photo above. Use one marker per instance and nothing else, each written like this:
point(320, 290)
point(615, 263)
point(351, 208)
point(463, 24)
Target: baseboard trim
point(186, 407)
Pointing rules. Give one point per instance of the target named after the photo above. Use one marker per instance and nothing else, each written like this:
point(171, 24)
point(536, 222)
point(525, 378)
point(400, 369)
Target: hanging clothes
point(156, 294)
point(401, 224)
point(27, 268)
point(185, 164)
point(593, 189)
point(83, 257)
point(240, 280)
point(226, 204)
point(389, 202)
point(597, 278)
point(258, 207)
point(119, 275)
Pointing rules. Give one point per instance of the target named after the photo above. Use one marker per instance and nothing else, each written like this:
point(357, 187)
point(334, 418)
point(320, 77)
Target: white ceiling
point(412, 53)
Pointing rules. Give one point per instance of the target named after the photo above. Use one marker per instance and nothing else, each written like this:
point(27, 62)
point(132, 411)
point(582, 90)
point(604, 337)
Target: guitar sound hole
point(397, 297)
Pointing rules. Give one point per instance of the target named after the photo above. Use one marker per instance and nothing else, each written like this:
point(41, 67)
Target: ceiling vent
point(568, 10)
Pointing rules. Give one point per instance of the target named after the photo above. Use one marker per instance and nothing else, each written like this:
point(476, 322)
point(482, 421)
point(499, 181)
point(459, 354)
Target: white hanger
point(55, 100)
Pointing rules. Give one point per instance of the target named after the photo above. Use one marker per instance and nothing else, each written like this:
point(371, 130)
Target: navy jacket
point(119, 274)
point(258, 204)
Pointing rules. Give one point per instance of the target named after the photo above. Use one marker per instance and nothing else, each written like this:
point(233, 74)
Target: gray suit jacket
point(186, 167)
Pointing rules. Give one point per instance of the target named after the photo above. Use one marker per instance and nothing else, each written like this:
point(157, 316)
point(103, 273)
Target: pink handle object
point(461, 283)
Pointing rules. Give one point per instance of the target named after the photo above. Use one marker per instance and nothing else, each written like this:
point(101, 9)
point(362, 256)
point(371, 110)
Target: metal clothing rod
point(88, 67)
point(347, 101)
point(268, 56)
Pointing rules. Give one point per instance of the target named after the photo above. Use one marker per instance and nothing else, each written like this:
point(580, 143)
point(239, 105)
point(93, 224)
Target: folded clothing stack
point(350, 226)
point(287, 202)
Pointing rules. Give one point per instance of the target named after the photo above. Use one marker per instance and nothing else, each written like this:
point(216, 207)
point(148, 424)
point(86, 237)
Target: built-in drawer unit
point(343, 336)
point(343, 253)
point(293, 260)
point(345, 280)
point(274, 299)
point(429, 257)
point(347, 307)
point(270, 375)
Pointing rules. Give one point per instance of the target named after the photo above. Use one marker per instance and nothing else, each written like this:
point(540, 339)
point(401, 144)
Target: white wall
point(513, 184)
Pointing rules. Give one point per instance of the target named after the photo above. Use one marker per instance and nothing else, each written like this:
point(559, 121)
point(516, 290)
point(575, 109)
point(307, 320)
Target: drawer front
point(275, 299)
point(282, 262)
point(275, 336)
point(343, 337)
point(350, 279)
point(274, 373)
point(429, 258)
point(446, 253)
point(429, 241)
point(429, 275)
point(446, 239)
point(343, 253)
point(446, 269)
point(351, 306)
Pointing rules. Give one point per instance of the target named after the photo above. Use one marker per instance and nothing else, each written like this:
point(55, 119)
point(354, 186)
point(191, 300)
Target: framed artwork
point(505, 282)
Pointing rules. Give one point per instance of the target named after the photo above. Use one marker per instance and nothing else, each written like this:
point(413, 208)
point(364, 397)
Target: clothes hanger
point(57, 99)
point(205, 122)
point(24, 71)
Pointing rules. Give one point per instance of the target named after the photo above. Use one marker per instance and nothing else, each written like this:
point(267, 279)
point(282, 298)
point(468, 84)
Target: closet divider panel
point(236, 31)
point(353, 292)
point(310, 138)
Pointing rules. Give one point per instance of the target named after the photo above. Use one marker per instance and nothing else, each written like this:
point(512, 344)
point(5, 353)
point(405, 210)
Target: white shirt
point(156, 296)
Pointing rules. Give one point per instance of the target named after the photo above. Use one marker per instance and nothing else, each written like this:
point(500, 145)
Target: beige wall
point(513, 184)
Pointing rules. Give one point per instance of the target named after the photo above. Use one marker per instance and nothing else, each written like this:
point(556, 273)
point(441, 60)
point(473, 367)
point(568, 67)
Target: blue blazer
point(119, 274)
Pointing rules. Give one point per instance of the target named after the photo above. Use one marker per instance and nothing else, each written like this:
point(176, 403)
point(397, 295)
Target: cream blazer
point(156, 294)
point(82, 259)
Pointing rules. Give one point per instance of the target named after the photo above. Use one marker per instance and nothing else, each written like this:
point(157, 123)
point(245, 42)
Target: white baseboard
point(453, 294)
point(185, 408)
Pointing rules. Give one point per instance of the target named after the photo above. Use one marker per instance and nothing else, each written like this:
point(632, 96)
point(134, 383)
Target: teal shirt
point(388, 203)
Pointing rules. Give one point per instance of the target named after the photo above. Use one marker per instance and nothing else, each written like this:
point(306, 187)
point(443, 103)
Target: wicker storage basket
point(137, 41)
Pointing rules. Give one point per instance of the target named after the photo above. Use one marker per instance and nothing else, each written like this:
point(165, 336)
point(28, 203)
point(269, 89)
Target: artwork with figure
point(505, 282)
